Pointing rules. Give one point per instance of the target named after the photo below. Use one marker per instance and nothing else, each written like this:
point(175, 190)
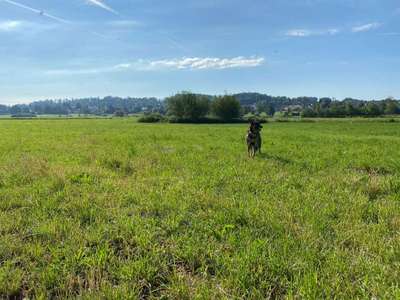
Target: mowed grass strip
point(117, 209)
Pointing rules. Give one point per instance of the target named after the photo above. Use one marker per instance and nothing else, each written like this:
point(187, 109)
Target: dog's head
point(255, 126)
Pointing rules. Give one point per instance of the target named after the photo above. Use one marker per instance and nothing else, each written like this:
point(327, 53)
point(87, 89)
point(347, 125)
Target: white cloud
point(102, 5)
point(191, 63)
point(366, 27)
point(10, 25)
point(208, 63)
point(307, 32)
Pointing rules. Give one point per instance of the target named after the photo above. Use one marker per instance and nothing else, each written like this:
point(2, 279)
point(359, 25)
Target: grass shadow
point(276, 158)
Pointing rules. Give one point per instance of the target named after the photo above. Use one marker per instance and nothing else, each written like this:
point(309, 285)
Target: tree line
point(327, 107)
point(94, 106)
point(186, 105)
point(192, 107)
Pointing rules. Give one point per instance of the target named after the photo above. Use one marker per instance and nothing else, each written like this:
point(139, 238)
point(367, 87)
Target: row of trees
point(193, 107)
point(250, 102)
point(349, 107)
point(271, 104)
point(94, 106)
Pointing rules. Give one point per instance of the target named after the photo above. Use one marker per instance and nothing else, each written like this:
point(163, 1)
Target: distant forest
point(250, 103)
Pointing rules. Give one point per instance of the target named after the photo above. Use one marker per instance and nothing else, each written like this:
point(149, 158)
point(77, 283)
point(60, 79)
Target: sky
point(56, 49)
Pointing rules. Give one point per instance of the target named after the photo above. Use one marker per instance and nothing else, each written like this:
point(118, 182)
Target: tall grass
point(118, 209)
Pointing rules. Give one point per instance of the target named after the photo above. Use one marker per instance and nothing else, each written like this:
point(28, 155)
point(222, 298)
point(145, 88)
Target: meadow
point(122, 210)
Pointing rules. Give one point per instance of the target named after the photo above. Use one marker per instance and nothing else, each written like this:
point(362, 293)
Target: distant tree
point(350, 110)
point(226, 107)
point(187, 105)
point(325, 102)
point(4, 109)
point(373, 110)
point(337, 109)
point(308, 113)
point(247, 109)
point(16, 109)
point(264, 106)
point(391, 107)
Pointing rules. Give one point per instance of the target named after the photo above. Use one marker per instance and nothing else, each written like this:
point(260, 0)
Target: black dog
point(253, 138)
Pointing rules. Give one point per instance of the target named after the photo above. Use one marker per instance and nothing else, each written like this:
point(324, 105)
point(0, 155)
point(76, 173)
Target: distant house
point(293, 110)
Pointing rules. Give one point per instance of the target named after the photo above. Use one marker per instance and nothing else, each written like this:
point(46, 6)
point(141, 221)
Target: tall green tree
point(187, 105)
point(373, 109)
point(391, 107)
point(226, 107)
point(350, 109)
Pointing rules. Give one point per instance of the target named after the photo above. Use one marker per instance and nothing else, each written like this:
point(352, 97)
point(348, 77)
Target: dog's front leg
point(259, 144)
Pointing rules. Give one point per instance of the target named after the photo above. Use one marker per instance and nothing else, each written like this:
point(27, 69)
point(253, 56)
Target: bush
point(262, 118)
point(249, 116)
point(281, 114)
point(119, 113)
point(151, 118)
point(308, 113)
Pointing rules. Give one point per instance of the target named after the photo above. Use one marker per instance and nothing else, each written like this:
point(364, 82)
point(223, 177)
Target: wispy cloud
point(302, 33)
point(35, 10)
point(190, 63)
point(21, 27)
point(307, 32)
point(102, 5)
point(366, 27)
point(10, 25)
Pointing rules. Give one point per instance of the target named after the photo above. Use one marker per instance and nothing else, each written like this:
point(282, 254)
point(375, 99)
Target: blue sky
point(79, 48)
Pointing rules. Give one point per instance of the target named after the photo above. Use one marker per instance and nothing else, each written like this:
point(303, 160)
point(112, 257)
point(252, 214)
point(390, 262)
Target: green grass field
point(121, 210)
